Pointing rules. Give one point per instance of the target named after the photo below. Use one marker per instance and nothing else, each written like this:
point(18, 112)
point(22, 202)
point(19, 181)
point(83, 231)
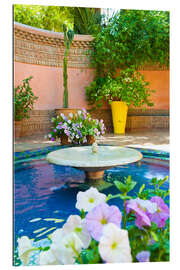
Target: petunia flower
point(48, 258)
point(66, 247)
point(74, 224)
point(90, 198)
point(100, 216)
point(162, 214)
point(24, 249)
point(114, 245)
point(139, 208)
point(143, 256)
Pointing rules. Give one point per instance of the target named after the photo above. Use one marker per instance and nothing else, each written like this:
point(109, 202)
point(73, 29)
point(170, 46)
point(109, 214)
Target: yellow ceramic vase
point(119, 115)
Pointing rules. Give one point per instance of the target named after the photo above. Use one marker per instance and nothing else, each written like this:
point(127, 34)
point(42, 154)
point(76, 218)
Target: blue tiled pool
point(42, 197)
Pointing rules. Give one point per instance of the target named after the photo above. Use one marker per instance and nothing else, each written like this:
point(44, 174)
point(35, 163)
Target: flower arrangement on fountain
point(77, 127)
point(101, 233)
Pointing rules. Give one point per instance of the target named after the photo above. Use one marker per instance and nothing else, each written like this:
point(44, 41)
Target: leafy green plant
point(76, 127)
point(129, 86)
point(45, 17)
point(132, 37)
point(87, 21)
point(24, 99)
point(68, 38)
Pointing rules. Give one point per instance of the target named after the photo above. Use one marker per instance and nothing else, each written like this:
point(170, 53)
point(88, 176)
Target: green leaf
point(122, 187)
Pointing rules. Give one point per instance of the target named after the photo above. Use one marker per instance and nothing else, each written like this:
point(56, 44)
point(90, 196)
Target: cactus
point(68, 38)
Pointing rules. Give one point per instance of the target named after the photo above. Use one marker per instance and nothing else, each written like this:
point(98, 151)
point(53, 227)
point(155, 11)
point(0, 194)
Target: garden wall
point(40, 53)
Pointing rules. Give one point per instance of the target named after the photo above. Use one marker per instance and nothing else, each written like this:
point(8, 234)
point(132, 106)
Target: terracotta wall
point(40, 53)
point(47, 84)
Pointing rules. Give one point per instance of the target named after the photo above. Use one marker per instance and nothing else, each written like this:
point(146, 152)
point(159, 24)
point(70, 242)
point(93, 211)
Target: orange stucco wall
point(47, 84)
point(159, 81)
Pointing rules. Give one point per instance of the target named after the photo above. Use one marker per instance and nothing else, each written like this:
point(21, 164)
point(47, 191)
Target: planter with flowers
point(77, 128)
point(128, 88)
point(103, 233)
point(24, 99)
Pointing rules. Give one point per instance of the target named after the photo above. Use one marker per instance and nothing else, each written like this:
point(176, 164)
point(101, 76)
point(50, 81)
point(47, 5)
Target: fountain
point(94, 160)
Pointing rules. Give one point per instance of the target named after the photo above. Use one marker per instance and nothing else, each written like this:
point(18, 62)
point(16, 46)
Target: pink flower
point(142, 218)
point(162, 213)
point(99, 216)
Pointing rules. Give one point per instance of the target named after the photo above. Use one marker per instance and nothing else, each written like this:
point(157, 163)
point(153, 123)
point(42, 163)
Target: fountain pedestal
point(94, 175)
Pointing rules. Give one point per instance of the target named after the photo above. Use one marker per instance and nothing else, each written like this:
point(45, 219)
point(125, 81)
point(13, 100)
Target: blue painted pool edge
point(40, 152)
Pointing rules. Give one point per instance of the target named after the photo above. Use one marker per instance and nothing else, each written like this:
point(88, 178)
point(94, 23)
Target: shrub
point(23, 100)
point(129, 86)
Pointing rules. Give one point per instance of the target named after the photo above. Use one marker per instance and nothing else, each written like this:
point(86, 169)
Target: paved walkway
point(156, 139)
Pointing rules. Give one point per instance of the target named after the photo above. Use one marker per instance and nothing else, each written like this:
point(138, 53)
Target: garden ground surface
point(151, 139)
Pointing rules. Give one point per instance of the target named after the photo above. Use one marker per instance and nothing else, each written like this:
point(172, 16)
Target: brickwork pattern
point(47, 48)
point(40, 121)
point(41, 47)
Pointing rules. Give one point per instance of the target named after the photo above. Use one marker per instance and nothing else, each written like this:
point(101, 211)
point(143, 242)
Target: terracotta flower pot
point(64, 139)
point(17, 129)
point(90, 139)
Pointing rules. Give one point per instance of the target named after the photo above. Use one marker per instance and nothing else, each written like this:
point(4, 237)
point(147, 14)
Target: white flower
point(56, 235)
point(48, 258)
point(89, 199)
point(150, 206)
point(49, 135)
point(62, 115)
point(79, 112)
point(71, 115)
point(69, 121)
point(74, 224)
point(114, 245)
point(67, 248)
point(24, 249)
point(77, 136)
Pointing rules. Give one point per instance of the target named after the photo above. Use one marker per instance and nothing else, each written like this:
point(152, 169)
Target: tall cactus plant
point(68, 38)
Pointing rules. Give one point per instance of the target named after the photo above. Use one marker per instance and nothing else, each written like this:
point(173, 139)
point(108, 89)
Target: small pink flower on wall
point(100, 216)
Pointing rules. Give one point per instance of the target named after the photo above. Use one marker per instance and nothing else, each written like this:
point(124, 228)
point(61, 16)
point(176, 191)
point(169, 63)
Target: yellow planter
point(119, 115)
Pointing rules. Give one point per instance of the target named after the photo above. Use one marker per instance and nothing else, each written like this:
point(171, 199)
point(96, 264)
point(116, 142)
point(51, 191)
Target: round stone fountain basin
point(94, 164)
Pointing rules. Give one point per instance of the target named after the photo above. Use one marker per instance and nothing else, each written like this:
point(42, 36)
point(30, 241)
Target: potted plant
point(23, 103)
point(78, 128)
point(128, 88)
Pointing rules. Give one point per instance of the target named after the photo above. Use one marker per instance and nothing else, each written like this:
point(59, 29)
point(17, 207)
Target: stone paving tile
point(153, 139)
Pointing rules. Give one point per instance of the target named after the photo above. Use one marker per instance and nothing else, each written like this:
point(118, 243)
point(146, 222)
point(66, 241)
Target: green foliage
point(87, 21)
point(129, 86)
point(68, 38)
point(132, 37)
point(23, 100)
point(45, 17)
point(90, 255)
point(83, 20)
point(152, 238)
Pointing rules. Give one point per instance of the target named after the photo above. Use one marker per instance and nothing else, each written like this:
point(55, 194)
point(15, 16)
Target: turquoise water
point(45, 194)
